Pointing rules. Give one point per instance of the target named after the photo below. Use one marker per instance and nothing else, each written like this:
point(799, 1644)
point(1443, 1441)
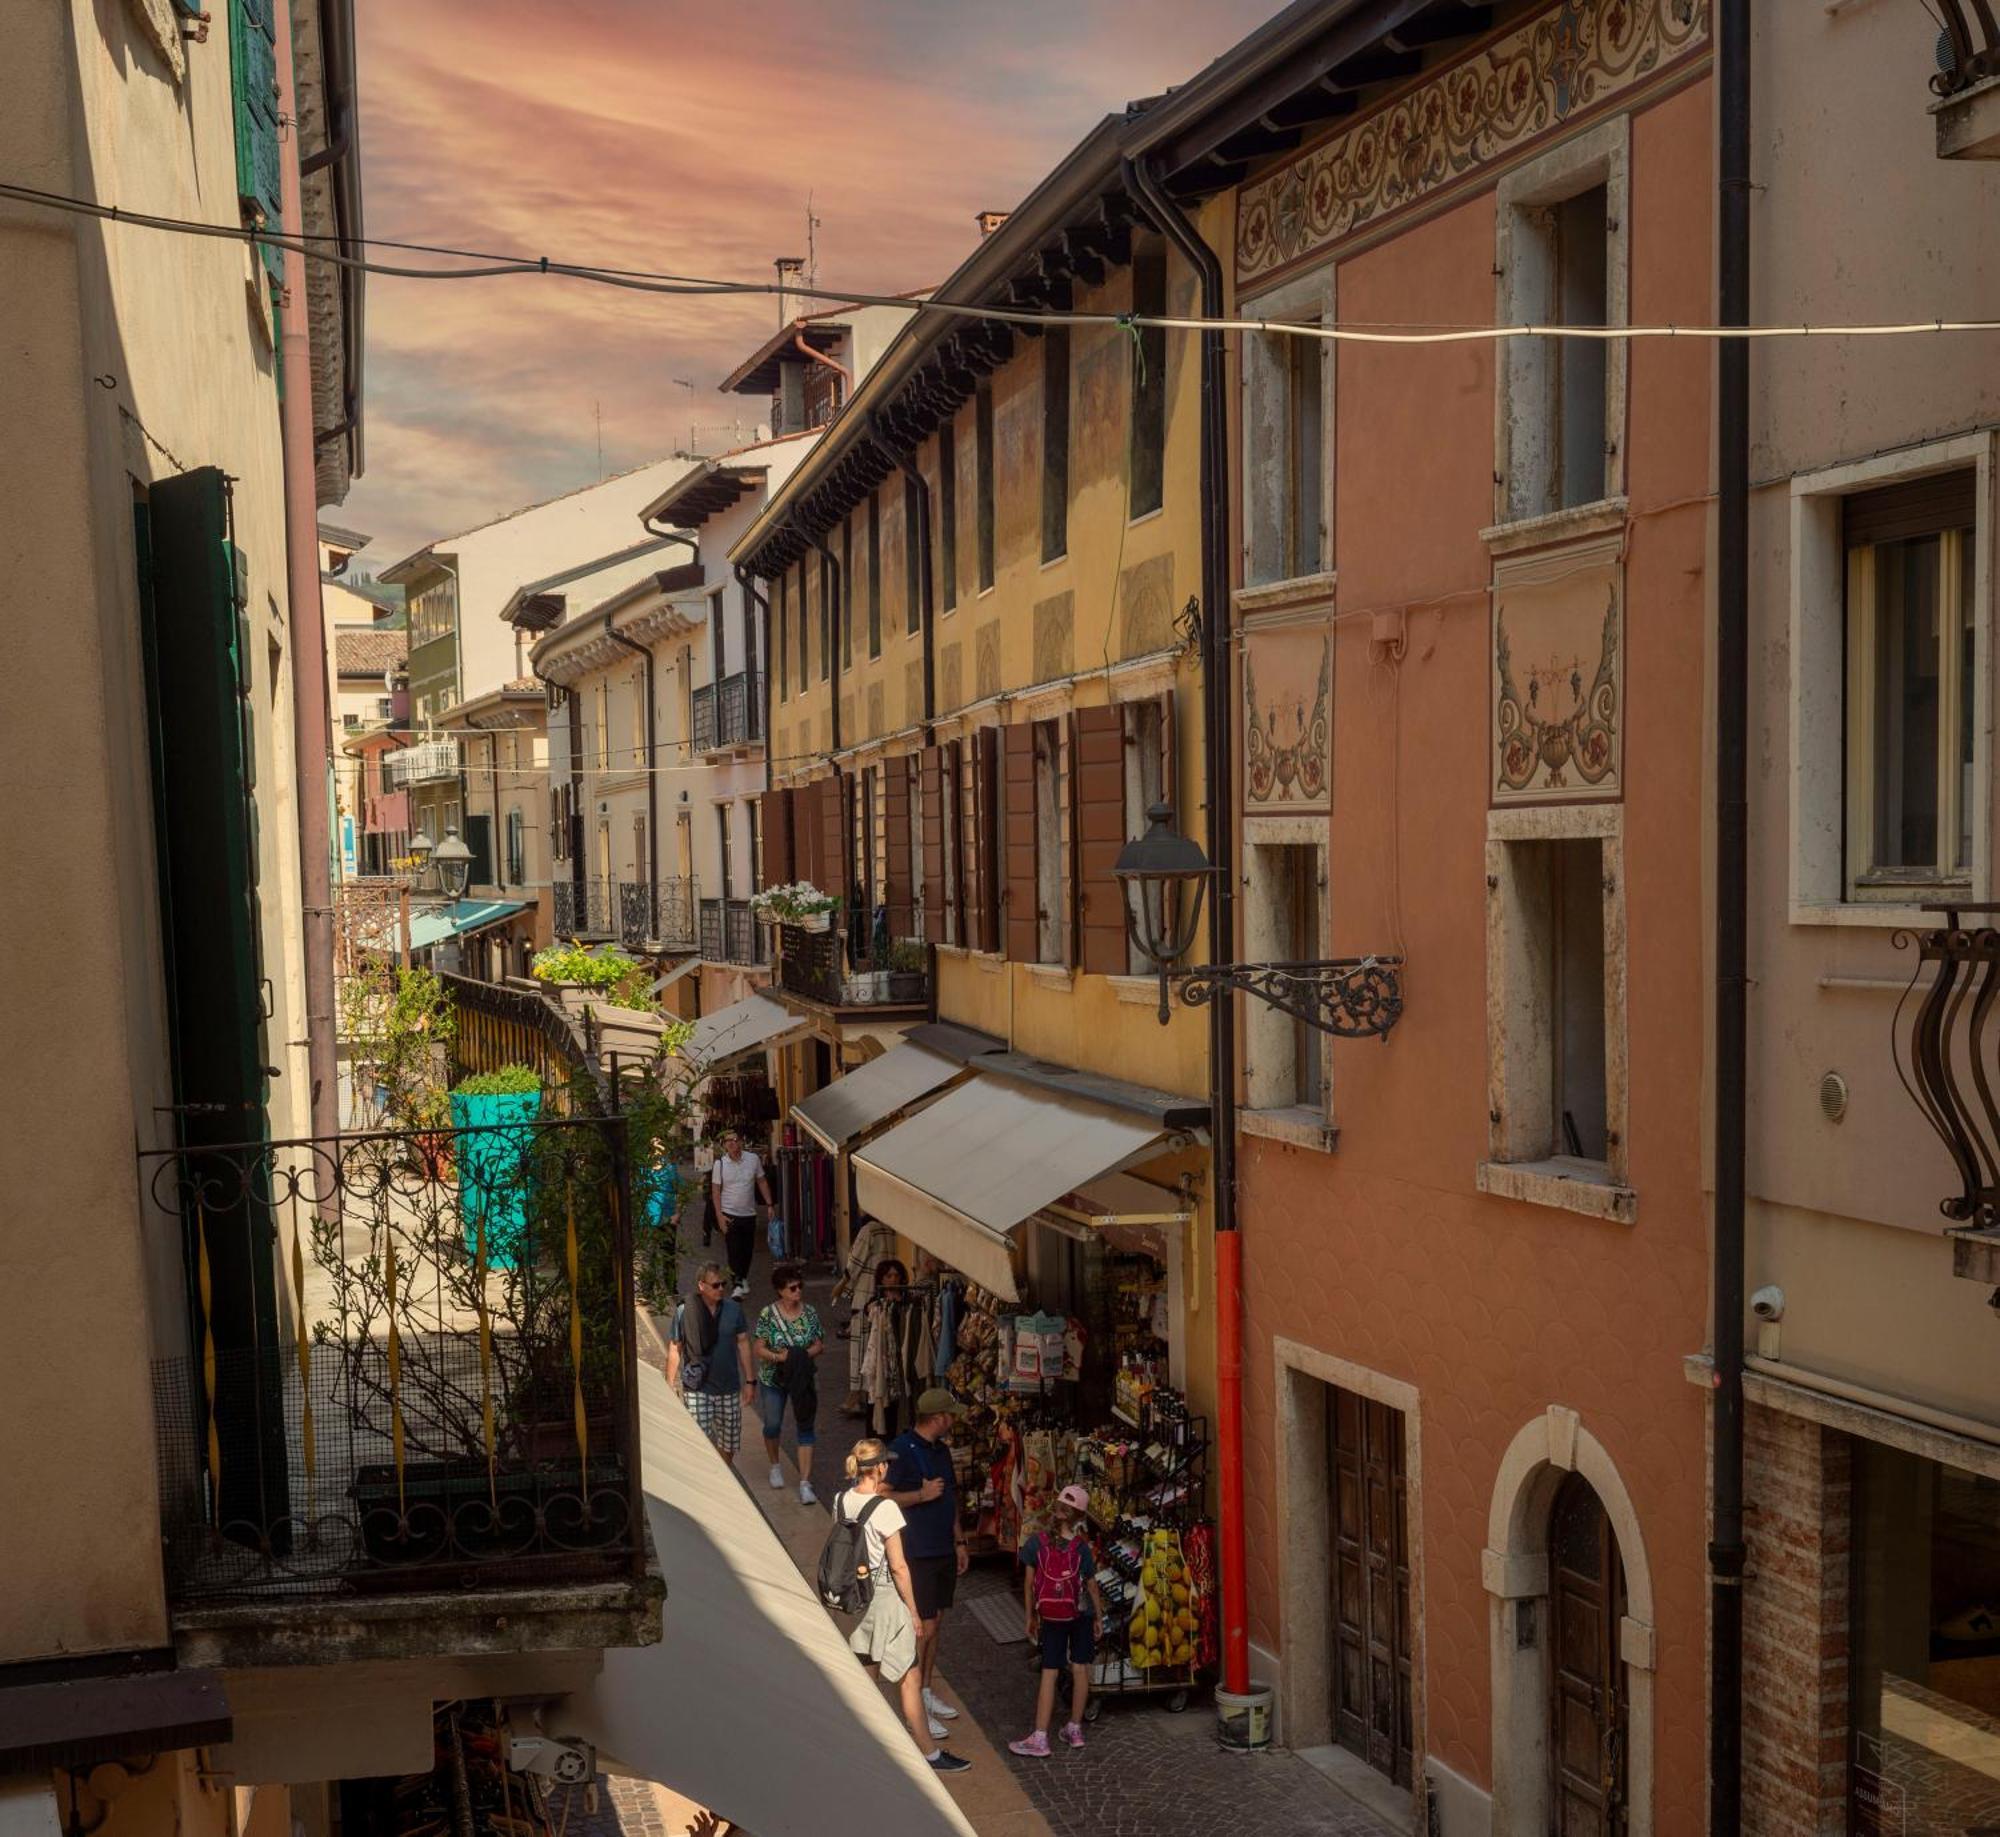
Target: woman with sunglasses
point(789, 1339)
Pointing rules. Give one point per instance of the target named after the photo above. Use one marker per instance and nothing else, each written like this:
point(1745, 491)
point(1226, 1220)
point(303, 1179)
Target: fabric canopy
point(431, 925)
point(872, 1093)
point(741, 1027)
point(960, 1175)
point(747, 1657)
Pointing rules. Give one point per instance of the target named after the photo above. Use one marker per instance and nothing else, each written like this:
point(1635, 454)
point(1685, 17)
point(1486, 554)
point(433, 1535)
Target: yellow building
point(979, 595)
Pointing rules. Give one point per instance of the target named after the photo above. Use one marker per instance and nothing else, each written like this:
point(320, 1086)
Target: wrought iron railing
point(656, 914)
point(711, 931)
point(451, 1399)
point(586, 909)
point(702, 710)
point(741, 718)
point(860, 961)
point(567, 909)
point(1946, 1045)
point(730, 933)
point(1969, 52)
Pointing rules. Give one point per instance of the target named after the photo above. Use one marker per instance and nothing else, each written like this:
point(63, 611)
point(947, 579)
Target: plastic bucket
point(1243, 1718)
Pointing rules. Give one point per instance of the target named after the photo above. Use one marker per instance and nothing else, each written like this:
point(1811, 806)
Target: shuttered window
point(833, 835)
point(776, 826)
point(897, 892)
point(1097, 770)
point(782, 624)
point(982, 434)
point(948, 514)
point(1019, 901)
point(913, 558)
point(1149, 377)
point(253, 83)
point(982, 837)
point(874, 574)
point(1055, 442)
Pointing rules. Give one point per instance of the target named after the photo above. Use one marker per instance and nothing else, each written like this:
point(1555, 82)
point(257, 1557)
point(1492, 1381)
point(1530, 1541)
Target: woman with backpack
point(1060, 1570)
point(863, 1570)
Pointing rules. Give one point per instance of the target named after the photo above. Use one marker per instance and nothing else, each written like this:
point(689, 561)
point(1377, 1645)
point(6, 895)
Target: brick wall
point(1795, 1627)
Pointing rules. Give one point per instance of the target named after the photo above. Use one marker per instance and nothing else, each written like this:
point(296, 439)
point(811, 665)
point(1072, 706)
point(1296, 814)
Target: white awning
point(28, 1809)
point(872, 1093)
point(747, 1657)
point(741, 1027)
point(959, 1176)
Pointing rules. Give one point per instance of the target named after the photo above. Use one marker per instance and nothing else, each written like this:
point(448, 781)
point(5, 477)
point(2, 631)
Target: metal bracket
point(1355, 998)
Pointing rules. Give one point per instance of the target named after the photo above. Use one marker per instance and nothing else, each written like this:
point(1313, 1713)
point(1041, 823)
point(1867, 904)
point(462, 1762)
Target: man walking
point(922, 1483)
point(708, 1360)
point(735, 1184)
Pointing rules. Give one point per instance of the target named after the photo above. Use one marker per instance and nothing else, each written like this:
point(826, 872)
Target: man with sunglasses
point(708, 1360)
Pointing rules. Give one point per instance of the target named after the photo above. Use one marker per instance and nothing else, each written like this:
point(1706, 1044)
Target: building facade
point(503, 746)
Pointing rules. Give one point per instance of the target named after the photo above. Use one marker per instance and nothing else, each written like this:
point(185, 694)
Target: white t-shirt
point(735, 1183)
point(883, 1523)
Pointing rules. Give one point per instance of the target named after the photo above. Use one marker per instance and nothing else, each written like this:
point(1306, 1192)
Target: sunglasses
point(709, 1285)
point(790, 1288)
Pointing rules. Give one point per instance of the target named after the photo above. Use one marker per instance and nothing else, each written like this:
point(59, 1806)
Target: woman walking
point(789, 1339)
point(887, 1634)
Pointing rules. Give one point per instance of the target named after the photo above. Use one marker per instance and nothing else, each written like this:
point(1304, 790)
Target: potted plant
point(490, 1112)
point(608, 975)
point(798, 903)
point(907, 964)
point(430, 1122)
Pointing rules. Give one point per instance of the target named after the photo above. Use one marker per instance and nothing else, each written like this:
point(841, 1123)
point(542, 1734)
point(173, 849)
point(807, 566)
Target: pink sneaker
point(1033, 1747)
point(1073, 1734)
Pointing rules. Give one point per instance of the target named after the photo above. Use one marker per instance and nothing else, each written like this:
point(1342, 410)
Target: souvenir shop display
point(743, 1101)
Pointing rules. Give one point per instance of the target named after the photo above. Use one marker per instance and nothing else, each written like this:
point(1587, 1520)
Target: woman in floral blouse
point(789, 1339)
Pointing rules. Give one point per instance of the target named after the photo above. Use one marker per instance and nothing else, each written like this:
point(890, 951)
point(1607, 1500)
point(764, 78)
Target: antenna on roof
point(812, 244)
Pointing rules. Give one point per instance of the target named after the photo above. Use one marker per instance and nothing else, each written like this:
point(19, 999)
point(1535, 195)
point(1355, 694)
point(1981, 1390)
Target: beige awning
point(741, 1027)
point(28, 1808)
point(872, 1093)
point(751, 1674)
point(960, 1175)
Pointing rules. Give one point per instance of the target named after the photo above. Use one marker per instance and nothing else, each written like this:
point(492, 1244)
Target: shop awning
point(741, 1027)
point(872, 1093)
point(431, 925)
point(28, 1809)
point(747, 1657)
point(959, 1176)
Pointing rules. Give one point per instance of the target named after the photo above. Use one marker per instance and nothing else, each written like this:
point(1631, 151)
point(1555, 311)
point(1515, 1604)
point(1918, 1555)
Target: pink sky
point(662, 134)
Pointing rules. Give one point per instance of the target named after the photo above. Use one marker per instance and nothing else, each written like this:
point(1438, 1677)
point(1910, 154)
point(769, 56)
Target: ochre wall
point(1385, 1253)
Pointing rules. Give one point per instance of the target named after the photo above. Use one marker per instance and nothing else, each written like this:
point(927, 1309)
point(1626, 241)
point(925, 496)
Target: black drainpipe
point(575, 818)
point(1218, 752)
point(1732, 822)
point(645, 653)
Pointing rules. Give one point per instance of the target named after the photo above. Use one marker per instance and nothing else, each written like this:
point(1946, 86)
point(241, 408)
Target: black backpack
point(845, 1582)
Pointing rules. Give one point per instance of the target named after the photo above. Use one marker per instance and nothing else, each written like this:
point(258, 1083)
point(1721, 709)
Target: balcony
point(741, 709)
point(702, 702)
point(656, 915)
point(1967, 84)
point(585, 909)
point(730, 933)
point(428, 762)
point(854, 964)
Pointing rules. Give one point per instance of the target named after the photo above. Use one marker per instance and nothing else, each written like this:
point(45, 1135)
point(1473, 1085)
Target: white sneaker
point(937, 1709)
point(938, 1730)
point(777, 1477)
point(739, 1291)
point(806, 1494)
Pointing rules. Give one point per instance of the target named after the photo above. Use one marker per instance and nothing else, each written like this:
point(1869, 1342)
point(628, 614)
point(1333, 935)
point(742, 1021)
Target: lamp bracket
point(1354, 998)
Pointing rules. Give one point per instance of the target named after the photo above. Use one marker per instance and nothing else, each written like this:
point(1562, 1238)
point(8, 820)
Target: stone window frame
point(1264, 395)
point(1600, 156)
point(1271, 1106)
point(1517, 1055)
point(1817, 690)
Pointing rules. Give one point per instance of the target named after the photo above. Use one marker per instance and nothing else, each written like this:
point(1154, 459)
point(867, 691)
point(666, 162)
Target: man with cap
point(922, 1483)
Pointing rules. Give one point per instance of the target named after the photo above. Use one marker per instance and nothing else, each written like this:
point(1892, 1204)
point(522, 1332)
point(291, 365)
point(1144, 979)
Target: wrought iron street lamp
point(421, 849)
point(454, 865)
point(1164, 875)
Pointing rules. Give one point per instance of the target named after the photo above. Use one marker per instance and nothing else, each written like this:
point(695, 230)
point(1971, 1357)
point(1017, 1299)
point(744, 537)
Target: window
point(874, 574)
point(953, 801)
point(718, 651)
point(752, 819)
point(350, 721)
point(1055, 442)
point(722, 845)
point(1149, 378)
point(1561, 261)
point(982, 435)
point(1148, 751)
point(781, 625)
point(1037, 844)
point(913, 555)
point(1910, 676)
point(1284, 919)
point(604, 727)
point(1286, 399)
point(844, 587)
point(1556, 1002)
point(948, 513)
point(641, 868)
point(825, 618)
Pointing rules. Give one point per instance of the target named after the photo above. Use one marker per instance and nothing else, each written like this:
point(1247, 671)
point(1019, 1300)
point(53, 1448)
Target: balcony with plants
point(844, 957)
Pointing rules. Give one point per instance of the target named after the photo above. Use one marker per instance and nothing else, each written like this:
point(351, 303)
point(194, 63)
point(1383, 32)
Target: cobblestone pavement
point(1144, 1772)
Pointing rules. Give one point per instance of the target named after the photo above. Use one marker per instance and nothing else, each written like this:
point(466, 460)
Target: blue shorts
point(1068, 1642)
point(771, 1407)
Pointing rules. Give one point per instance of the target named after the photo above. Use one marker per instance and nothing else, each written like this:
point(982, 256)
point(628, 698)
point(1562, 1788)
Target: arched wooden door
point(1586, 1677)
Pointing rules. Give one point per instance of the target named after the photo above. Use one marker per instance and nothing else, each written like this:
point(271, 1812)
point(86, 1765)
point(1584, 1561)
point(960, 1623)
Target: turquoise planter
point(494, 1144)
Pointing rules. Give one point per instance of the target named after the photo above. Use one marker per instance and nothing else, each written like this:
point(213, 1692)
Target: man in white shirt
point(735, 1184)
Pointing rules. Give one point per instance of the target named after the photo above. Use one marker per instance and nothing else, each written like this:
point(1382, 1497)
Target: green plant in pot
point(491, 1113)
point(908, 962)
point(609, 974)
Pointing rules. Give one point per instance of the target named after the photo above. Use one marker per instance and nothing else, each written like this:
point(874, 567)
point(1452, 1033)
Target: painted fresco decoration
point(1576, 57)
point(1558, 676)
point(1287, 730)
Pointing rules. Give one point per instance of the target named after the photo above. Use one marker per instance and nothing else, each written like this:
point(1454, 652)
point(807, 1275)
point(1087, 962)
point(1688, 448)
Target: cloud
point(673, 135)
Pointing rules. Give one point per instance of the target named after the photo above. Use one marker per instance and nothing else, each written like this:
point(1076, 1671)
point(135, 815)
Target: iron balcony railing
point(702, 703)
point(730, 933)
point(1969, 51)
point(860, 961)
point(1946, 1046)
point(656, 914)
point(741, 719)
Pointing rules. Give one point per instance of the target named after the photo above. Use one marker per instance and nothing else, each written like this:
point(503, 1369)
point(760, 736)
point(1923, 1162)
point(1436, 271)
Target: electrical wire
point(492, 267)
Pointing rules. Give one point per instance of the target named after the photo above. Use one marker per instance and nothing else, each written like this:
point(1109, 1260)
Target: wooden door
point(1371, 1584)
point(1586, 1694)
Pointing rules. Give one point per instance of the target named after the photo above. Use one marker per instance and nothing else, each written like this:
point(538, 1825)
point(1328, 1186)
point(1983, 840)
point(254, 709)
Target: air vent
point(1833, 1097)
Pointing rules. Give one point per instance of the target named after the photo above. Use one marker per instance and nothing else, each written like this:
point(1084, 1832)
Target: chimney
point(989, 221)
point(789, 268)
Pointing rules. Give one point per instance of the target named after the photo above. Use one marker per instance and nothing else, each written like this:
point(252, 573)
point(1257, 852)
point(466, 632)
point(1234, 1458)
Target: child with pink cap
point(1060, 1570)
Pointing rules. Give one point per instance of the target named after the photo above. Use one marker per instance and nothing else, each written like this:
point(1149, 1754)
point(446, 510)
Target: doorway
point(1369, 1625)
point(1587, 1712)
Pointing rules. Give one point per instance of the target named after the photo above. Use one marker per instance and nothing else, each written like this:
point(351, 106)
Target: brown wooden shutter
point(1018, 917)
point(931, 791)
point(896, 889)
point(984, 843)
point(833, 840)
point(1097, 777)
point(776, 828)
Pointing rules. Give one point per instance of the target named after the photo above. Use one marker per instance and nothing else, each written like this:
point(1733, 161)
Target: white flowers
point(791, 903)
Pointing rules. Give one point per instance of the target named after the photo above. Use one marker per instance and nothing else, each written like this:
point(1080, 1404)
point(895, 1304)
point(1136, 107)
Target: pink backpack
point(1059, 1578)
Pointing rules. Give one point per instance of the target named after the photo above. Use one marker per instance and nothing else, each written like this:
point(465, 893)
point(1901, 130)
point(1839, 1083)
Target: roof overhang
point(510, 703)
point(706, 491)
point(759, 373)
point(421, 565)
point(660, 606)
point(80, 1721)
point(532, 600)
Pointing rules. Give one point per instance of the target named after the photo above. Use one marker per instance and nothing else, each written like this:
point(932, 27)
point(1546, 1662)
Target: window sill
point(1146, 516)
point(991, 961)
point(1286, 595)
point(1139, 991)
point(1865, 914)
point(1560, 1181)
point(1556, 526)
point(1051, 976)
point(1299, 1125)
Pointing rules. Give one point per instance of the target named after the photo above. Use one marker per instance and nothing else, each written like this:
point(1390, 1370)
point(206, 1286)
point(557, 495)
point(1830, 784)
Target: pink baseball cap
point(1075, 1497)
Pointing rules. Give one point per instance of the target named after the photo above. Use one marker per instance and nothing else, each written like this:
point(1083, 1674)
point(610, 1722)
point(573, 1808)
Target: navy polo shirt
point(930, 1527)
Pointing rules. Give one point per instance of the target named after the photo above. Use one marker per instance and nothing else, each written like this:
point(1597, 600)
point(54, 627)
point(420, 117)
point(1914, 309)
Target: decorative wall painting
point(1559, 676)
point(1287, 718)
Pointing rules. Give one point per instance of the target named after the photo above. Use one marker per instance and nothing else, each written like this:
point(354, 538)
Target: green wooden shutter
point(479, 838)
point(199, 709)
point(253, 77)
